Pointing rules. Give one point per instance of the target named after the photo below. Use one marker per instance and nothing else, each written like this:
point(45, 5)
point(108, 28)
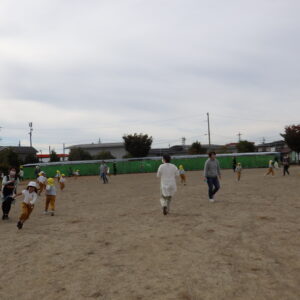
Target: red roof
point(48, 155)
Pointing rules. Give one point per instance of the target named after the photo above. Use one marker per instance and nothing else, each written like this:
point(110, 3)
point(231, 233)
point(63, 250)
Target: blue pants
point(213, 186)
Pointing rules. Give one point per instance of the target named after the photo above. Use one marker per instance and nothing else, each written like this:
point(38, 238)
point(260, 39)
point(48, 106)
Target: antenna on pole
point(30, 133)
point(208, 126)
point(183, 140)
point(239, 135)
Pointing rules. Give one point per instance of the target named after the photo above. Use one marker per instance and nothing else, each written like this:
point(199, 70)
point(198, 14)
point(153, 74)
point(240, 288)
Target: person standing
point(9, 188)
point(115, 169)
point(167, 173)
point(234, 164)
point(103, 172)
point(37, 171)
point(21, 174)
point(212, 174)
point(286, 165)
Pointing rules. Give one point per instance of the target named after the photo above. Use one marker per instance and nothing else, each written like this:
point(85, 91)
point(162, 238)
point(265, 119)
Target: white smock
point(167, 173)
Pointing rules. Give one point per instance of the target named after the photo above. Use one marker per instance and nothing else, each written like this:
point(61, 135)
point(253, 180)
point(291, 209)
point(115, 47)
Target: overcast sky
point(84, 70)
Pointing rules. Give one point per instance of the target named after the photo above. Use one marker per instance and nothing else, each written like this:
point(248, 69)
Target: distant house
point(116, 149)
point(278, 146)
point(21, 151)
point(44, 158)
point(174, 150)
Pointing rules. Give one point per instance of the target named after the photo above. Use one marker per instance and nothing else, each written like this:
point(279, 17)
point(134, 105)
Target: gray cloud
point(149, 65)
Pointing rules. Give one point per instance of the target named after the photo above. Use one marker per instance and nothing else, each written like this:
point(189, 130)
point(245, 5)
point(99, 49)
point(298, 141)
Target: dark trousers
point(104, 178)
point(6, 205)
point(286, 170)
point(213, 186)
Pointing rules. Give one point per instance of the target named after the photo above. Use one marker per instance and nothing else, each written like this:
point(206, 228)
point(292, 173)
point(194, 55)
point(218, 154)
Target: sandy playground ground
point(113, 242)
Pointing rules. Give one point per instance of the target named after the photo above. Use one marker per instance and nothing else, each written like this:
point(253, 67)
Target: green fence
point(150, 165)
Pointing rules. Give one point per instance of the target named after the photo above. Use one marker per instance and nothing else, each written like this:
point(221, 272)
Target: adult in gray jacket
point(212, 174)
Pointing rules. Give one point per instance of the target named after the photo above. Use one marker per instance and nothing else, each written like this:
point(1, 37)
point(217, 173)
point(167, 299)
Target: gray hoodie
point(212, 168)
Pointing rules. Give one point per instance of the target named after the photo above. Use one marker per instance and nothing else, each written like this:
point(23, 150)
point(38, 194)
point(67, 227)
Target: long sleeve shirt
point(167, 173)
point(212, 168)
point(29, 198)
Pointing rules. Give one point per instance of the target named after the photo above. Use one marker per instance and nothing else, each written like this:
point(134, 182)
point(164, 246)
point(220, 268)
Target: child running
point(50, 196)
point(182, 174)
point(57, 176)
point(167, 172)
point(238, 171)
point(42, 182)
point(62, 182)
point(271, 168)
point(30, 197)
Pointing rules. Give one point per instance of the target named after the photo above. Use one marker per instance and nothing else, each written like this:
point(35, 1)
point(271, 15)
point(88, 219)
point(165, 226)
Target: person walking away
point(50, 196)
point(37, 171)
point(182, 174)
point(234, 164)
point(62, 182)
point(286, 165)
point(212, 173)
point(21, 174)
point(271, 168)
point(167, 173)
point(115, 169)
point(103, 172)
point(28, 202)
point(238, 171)
point(9, 188)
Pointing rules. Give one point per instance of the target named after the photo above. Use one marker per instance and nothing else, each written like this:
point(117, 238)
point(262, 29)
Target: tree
point(31, 159)
point(8, 159)
point(79, 154)
point(292, 137)
point(104, 155)
point(245, 146)
point(137, 145)
point(54, 157)
point(196, 148)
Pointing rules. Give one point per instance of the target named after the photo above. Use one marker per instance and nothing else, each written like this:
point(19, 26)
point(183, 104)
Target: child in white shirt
point(30, 197)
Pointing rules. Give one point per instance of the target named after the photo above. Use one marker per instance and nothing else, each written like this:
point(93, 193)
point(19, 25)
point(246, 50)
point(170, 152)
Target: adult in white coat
point(167, 173)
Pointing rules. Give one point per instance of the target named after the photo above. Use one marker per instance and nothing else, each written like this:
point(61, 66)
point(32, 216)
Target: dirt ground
point(113, 242)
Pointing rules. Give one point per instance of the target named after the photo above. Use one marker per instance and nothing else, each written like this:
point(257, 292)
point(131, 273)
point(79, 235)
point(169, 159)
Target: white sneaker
point(211, 200)
point(45, 212)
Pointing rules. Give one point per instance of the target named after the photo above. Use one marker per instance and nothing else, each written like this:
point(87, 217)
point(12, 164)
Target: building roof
point(48, 155)
point(272, 144)
point(20, 149)
point(97, 145)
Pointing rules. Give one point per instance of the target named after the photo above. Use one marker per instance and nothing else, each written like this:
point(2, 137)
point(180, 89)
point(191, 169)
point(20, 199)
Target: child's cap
point(63, 175)
point(32, 184)
point(21, 167)
point(77, 170)
point(50, 181)
point(239, 164)
point(181, 167)
point(57, 171)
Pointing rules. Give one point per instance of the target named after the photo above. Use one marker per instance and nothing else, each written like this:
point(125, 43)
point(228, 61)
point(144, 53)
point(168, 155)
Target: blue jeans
point(213, 186)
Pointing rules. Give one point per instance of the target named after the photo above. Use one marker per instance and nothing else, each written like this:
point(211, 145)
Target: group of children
point(30, 195)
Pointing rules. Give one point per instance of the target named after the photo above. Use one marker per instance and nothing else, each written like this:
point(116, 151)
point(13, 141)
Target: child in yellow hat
point(238, 171)
point(62, 181)
point(50, 196)
point(182, 174)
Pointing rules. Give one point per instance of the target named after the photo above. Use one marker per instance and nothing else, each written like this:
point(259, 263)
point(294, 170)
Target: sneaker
point(45, 212)
point(211, 200)
point(20, 225)
point(165, 210)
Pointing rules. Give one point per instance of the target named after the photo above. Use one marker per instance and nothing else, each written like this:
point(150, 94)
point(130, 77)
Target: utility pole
point(64, 151)
point(239, 135)
point(208, 125)
point(183, 140)
point(30, 133)
point(263, 140)
point(49, 150)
